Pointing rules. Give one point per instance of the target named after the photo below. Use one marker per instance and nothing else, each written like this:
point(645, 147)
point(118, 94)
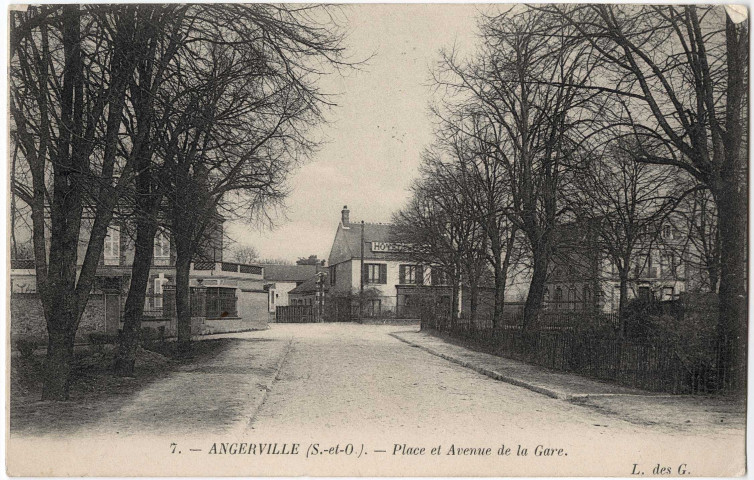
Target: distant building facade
point(281, 279)
point(582, 277)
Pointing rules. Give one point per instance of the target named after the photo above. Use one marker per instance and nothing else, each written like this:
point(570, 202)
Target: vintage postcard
point(259, 239)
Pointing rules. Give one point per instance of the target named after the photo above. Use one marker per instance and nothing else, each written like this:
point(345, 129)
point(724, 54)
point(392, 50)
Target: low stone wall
point(28, 320)
point(226, 325)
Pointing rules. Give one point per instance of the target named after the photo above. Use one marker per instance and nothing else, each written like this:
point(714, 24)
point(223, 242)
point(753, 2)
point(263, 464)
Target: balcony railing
point(242, 268)
point(28, 264)
point(22, 263)
point(227, 267)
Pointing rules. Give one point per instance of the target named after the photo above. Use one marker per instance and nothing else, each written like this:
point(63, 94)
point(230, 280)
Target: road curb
point(268, 388)
point(559, 395)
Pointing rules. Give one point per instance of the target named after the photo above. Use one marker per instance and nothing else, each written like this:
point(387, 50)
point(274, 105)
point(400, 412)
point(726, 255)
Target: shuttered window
point(411, 274)
point(375, 273)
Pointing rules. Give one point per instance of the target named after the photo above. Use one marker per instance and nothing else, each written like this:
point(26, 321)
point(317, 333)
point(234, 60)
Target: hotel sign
point(386, 247)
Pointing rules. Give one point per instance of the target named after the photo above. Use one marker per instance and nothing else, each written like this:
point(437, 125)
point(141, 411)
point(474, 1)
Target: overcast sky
point(378, 129)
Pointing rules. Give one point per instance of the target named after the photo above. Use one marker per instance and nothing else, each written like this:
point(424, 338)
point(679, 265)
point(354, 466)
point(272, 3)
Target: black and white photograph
point(362, 239)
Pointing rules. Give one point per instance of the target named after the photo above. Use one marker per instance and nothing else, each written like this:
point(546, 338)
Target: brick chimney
point(344, 216)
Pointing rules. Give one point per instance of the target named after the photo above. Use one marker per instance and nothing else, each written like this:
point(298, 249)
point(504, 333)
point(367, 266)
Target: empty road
point(335, 385)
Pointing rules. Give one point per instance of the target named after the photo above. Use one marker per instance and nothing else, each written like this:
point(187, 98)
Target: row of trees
point(158, 117)
point(615, 117)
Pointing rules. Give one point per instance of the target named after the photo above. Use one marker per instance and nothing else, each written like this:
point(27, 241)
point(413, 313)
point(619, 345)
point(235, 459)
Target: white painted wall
point(280, 291)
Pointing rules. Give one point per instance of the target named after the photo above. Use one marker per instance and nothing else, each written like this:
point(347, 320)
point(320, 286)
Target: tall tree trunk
point(455, 290)
point(497, 313)
point(623, 297)
point(713, 272)
point(59, 294)
point(733, 320)
point(183, 300)
point(731, 198)
point(535, 296)
point(57, 373)
point(500, 283)
point(129, 340)
point(473, 301)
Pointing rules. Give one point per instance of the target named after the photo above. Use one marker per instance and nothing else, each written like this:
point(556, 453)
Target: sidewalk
point(215, 393)
point(634, 405)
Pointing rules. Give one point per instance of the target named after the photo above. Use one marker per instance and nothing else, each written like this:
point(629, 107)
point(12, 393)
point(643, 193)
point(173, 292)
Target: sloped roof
point(290, 273)
point(347, 243)
point(309, 286)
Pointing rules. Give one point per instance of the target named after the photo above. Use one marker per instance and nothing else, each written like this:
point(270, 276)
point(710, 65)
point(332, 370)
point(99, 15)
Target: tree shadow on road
point(95, 391)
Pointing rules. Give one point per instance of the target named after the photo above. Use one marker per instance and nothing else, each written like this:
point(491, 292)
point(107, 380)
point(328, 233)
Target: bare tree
point(246, 254)
point(520, 82)
point(440, 226)
point(484, 183)
point(696, 215)
point(146, 114)
point(680, 75)
point(624, 202)
point(249, 77)
point(70, 68)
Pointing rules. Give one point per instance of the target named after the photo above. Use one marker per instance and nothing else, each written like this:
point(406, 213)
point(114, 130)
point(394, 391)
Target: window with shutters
point(375, 273)
point(112, 246)
point(411, 274)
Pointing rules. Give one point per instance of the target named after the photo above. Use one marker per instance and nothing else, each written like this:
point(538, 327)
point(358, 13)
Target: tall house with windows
point(391, 280)
point(225, 296)
point(583, 277)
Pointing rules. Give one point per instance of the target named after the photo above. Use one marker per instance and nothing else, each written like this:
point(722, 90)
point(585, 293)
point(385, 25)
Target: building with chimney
point(391, 282)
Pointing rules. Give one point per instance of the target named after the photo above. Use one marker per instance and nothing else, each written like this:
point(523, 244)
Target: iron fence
point(548, 320)
point(296, 314)
point(557, 343)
